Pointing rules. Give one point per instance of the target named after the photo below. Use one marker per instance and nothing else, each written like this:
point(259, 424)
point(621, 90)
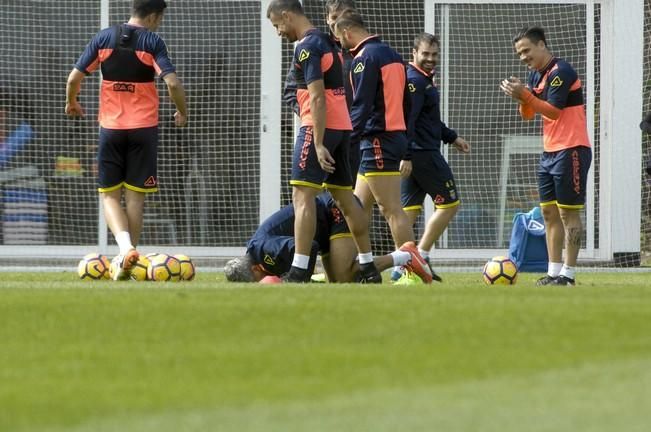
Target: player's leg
point(386, 190)
point(381, 158)
point(365, 196)
point(306, 180)
point(411, 197)
point(135, 209)
point(571, 180)
point(111, 158)
point(341, 266)
point(554, 231)
point(339, 184)
point(442, 188)
point(141, 176)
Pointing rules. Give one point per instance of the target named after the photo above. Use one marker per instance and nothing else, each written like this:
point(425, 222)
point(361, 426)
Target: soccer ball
point(93, 266)
point(164, 268)
point(500, 270)
point(139, 269)
point(187, 267)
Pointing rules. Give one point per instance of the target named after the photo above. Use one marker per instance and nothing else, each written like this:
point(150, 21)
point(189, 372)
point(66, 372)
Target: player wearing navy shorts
point(554, 90)
point(130, 56)
point(321, 151)
point(270, 250)
point(428, 171)
point(378, 118)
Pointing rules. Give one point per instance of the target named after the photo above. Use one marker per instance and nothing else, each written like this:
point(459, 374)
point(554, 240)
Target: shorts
point(306, 170)
point(381, 154)
point(562, 177)
point(127, 157)
point(431, 175)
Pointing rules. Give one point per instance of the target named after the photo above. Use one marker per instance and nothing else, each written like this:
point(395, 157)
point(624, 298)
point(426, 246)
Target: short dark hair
point(279, 6)
point(339, 5)
point(350, 19)
point(427, 38)
point(534, 33)
point(143, 8)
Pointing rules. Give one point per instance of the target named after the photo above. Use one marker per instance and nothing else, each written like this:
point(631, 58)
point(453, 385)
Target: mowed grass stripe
point(102, 351)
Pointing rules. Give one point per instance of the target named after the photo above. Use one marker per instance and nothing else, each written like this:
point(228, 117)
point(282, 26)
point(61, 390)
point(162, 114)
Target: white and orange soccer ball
point(163, 268)
point(500, 270)
point(93, 266)
point(188, 269)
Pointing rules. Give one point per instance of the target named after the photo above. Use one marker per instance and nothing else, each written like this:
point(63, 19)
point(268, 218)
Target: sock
point(301, 261)
point(123, 240)
point(400, 258)
point(554, 269)
point(424, 253)
point(568, 272)
point(365, 258)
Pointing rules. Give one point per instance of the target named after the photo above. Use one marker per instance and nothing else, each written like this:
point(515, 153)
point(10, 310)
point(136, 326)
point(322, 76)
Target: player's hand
point(461, 145)
point(513, 88)
point(74, 109)
point(325, 159)
point(405, 168)
point(180, 120)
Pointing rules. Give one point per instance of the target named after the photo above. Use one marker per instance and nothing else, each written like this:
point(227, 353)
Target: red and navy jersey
point(379, 79)
point(290, 87)
point(130, 57)
point(272, 246)
point(425, 130)
point(559, 85)
point(316, 57)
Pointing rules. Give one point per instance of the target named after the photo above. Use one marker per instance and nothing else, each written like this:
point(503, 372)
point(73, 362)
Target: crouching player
point(270, 250)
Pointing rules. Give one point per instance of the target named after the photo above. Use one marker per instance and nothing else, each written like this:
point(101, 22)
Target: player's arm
point(316, 90)
point(177, 94)
point(308, 58)
point(417, 99)
point(73, 87)
point(529, 103)
point(166, 70)
point(87, 63)
point(364, 78)
point(289, 91)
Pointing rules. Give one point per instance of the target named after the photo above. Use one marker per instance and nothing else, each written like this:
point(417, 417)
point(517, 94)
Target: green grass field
point(210, 356)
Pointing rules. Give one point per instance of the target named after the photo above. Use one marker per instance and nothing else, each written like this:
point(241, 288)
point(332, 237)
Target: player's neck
point(135, 21)
point(548, 59)
point(303, 27)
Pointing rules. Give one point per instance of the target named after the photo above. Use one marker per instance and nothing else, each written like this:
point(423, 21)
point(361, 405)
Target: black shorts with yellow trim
point(562, 177)
point(430, 175)
point(306, 170)
point(381, 154)
point(127, 158)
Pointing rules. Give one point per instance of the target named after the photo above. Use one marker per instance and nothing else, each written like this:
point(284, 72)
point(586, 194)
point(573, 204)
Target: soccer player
point(554, 90)
point(378, 117)
point(130, 56)
point(322, 145)
point(429, 171)
point(270, 250)
point(334, 8)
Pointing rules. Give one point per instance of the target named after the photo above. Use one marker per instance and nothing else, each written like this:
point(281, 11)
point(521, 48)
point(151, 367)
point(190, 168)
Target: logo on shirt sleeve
point(303, 55)
point(268, 260)
point(556, 82)
point(359, 68)
point(412, 88)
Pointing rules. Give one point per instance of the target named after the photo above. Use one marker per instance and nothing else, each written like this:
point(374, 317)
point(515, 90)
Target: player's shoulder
point(105, 37)
point(150, 41)
point(315, 38)
point(564, 69)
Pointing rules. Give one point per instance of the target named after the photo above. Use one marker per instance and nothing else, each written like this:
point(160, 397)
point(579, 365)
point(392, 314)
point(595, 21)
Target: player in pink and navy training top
point(130, 56)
